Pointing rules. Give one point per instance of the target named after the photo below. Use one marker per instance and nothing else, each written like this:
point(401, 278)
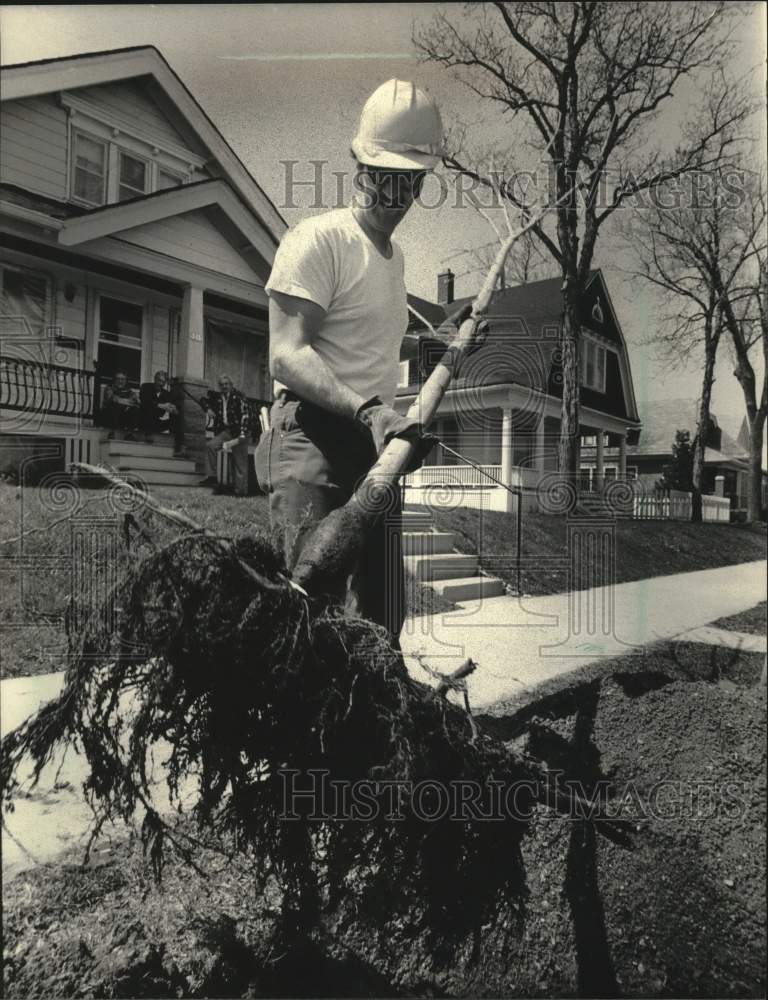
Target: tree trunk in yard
point(700, 444)
point(755, 494)
point(568, 450)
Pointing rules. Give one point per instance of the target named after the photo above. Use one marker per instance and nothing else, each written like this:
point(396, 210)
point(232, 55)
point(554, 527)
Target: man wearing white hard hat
point(337, 315)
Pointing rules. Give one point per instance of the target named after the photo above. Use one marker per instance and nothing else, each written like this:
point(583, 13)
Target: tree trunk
point(755, 495)
point(700, 443)
point(568, 451)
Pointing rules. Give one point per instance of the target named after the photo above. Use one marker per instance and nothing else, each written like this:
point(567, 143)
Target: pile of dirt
point(670, 904)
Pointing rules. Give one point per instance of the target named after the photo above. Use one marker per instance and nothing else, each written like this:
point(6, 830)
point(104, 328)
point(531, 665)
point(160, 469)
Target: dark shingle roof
point(662, 418)
point(429, 310)
point(539, 301)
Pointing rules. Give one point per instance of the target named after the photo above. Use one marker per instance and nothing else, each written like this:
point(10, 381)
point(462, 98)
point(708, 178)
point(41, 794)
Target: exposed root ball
point(243, 681)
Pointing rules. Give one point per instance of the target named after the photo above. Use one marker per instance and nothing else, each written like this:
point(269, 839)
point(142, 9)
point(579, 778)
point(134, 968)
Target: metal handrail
point(515, 491)
point(38, 387)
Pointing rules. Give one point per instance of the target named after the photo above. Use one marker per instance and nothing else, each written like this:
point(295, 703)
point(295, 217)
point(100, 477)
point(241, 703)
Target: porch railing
point(452, 475)
point(51, 390)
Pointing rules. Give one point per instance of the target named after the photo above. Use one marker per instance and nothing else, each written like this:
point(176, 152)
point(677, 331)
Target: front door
point(119, 333)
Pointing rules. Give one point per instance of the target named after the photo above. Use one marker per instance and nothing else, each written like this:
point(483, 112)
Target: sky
point(286, 82)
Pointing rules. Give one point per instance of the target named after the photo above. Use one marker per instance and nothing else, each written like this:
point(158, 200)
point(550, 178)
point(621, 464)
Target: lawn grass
point(35, 592)
point(37, 574)
point(642, 548)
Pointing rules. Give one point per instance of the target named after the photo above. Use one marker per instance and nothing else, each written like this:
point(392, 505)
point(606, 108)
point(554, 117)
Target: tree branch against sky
point(745, 312)
point(584, 85)
point(694, 254)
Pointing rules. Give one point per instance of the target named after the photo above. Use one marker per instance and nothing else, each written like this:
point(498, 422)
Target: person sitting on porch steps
point(231, 417)
point(120, 407)
point(161, 411)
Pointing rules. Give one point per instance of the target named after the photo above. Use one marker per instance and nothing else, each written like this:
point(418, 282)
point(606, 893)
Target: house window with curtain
point(133, 176)
point(89, 164)
point(592, 364)
point(25, 301)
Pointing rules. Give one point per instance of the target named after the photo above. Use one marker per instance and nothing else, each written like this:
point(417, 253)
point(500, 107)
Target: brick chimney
point(445, 287)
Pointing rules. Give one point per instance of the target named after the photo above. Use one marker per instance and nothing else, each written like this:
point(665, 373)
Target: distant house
point(503, 410)
point(726, 456)
point(132, 237)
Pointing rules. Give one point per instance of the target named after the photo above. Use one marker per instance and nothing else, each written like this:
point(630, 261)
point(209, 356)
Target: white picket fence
point(465, 486)
point(677, 505)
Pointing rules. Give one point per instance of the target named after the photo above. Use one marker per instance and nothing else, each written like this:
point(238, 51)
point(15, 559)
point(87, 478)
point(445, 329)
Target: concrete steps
point(168, 478)
point(469, 588)
point(425, 543)
point(431, 558)
point(152, 464)
point(442, 566)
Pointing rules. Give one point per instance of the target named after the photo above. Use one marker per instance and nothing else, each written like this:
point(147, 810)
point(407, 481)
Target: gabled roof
point(523, 343)
point(91, 69)
point(431, 311)
point(110, 219)
point(662, 418)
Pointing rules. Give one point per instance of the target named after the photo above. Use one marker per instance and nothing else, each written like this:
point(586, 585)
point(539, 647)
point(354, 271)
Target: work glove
point(384, 423)
point(449, 328)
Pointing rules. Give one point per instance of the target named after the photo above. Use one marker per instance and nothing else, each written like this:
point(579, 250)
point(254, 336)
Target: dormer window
point(89, 183)
point(133, 176)
point(113, 159)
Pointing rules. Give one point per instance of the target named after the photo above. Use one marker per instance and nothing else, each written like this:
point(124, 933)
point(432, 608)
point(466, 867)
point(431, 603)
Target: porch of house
point(71, 332)
point(504, 448)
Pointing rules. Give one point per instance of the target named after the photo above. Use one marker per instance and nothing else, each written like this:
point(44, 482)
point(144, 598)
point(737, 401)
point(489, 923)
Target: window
point(133, 177)
point(109, 166)
point(90, 169)
point(167, 179)
point(404, 377)
point(25, 301)
point(120, 327)
point(592, 364)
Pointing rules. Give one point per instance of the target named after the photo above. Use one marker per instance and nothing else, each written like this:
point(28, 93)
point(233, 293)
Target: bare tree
point(526, 263)
point(678, 252)
point(745, 314)
point(584, 83)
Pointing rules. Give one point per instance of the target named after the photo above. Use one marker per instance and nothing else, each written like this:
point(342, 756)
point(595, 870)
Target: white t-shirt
point(329, 260)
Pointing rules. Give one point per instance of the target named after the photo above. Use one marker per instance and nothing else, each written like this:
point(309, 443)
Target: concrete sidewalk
point(519, 642)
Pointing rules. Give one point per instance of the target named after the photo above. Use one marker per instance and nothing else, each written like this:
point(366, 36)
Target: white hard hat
point(400, 129)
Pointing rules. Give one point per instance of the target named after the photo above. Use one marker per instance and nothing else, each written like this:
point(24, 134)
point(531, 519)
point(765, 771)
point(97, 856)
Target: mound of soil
point(668, 902)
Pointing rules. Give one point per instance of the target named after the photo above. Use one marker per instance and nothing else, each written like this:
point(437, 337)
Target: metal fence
point(35, 387)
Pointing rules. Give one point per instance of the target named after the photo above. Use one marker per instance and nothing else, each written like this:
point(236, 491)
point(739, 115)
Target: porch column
point(507, 455)
point(623, 456)
point(189, 371)
point(600, 460)
point(191, 339)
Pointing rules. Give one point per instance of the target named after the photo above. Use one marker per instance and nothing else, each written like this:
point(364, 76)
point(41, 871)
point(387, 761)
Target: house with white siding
point(132, 237)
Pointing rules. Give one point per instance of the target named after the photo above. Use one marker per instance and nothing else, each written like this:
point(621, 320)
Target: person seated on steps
point(231, 421)
point(161, 411)
point(120, 408)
